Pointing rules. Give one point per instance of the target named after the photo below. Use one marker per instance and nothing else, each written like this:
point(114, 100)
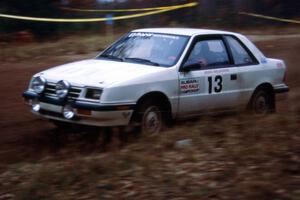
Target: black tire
point(150, 118)
point(262, 102)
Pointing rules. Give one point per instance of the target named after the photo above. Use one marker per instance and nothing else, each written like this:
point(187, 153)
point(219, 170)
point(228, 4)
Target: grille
point(74, 92)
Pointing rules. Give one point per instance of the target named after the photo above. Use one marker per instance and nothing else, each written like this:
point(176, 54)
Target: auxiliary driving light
point(38, 84)
point(35, 105)
point(68, 112)
point(62, 89)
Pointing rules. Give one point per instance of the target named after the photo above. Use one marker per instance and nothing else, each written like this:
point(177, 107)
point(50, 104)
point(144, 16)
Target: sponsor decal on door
point(189, 86)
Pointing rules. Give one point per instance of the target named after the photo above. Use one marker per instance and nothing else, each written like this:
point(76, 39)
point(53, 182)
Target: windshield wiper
point(142, 60)
point(110, 57)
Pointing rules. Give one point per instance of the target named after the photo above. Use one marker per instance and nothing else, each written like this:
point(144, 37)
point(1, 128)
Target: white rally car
point(153, 75)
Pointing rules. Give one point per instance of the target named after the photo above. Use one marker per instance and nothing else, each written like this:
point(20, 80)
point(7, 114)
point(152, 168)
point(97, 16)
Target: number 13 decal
point(218, 84)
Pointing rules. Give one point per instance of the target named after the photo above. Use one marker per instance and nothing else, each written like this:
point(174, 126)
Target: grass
point(72, 45)
point(78, 44)
point(236, 157)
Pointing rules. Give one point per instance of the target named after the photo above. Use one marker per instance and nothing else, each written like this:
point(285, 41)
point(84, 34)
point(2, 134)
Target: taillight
point(284, 77)
point(282, 65)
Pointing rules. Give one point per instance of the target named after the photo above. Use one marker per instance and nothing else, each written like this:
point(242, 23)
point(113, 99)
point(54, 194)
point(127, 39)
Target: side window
point(208, 54)
point(239, 53)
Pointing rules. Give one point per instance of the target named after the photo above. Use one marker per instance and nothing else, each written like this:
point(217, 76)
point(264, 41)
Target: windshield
point(147, 48)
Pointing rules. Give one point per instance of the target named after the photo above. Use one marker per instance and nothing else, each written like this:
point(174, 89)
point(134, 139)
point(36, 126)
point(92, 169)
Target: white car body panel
point(97, 73)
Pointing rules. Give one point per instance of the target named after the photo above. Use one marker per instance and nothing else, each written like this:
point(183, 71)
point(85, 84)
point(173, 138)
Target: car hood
point(98, 72)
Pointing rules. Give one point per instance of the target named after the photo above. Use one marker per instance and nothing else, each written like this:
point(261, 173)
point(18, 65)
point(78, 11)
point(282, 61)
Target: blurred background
point(216, 157)
point(208, 13)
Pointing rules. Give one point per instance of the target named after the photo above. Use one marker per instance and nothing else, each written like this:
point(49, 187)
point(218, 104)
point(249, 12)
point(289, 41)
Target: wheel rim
point(152, 122)
point(261, 105)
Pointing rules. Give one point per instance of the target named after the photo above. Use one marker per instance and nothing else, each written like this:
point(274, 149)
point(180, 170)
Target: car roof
point(183, 31)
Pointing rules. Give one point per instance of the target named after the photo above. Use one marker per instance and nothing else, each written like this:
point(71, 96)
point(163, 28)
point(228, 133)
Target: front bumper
point(87, 113)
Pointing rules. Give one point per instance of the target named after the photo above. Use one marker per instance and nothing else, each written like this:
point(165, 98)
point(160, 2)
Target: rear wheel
point(262, 102)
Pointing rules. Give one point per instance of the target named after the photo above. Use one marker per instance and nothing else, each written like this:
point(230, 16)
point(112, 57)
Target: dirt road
point(25, 137)
point(244, 157)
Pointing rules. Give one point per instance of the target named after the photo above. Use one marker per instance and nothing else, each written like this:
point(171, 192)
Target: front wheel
point(150, 118)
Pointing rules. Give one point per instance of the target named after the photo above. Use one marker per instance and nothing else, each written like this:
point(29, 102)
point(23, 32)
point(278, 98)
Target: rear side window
point(239, 53)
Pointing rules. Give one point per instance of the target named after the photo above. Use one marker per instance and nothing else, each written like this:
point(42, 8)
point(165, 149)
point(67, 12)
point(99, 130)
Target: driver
point(199, 54)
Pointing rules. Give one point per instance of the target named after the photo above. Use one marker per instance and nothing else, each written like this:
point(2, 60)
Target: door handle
point(233, 77)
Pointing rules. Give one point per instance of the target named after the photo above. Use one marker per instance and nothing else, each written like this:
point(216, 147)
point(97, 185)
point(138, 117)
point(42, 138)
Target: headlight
point(62, 89)
point(38, 84)
point(93, 94)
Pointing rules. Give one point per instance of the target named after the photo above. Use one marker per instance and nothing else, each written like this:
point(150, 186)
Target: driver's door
point(207, 78)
